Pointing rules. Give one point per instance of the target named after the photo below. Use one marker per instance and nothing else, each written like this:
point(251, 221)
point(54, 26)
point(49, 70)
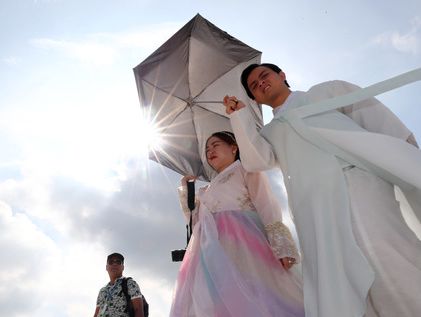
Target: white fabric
point(337, 273)
point(244, 191)
point(355, 96)
point(229, 268)
point(391, 248)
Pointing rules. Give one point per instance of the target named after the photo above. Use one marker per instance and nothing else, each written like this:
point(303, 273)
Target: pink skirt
point(229, 269)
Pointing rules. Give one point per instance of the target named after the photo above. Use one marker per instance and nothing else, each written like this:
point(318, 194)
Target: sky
point(75, 180)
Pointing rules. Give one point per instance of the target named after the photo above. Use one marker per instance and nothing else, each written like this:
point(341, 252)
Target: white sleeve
point(255, 152)
point(269, 210)
point(373, 115)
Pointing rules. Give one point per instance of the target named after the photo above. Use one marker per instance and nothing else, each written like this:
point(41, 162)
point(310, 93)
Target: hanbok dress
point(231, 266)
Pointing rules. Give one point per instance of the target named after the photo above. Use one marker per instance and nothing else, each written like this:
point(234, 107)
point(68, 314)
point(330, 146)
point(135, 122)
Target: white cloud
point(88, 135)
point(10, 60)
point(91, 52)
point(27, 253)
point(56, 233)
point(149, 38)
point(104, 48)
point(53, 277)
point(45, 1)
point(408, 42)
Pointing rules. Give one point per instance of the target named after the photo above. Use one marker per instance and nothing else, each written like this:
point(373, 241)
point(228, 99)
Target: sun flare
point(150, 136)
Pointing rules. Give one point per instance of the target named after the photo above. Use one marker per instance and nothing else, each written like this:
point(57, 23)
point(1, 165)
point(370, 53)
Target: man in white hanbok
point(340, 166)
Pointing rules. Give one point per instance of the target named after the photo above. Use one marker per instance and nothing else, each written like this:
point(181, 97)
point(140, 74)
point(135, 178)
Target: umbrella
point(181, 86)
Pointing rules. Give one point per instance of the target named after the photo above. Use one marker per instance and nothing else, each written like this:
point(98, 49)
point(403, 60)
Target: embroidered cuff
point(281, 241)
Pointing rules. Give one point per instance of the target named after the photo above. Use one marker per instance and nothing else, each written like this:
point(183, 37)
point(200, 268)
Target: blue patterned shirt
point(111, 300)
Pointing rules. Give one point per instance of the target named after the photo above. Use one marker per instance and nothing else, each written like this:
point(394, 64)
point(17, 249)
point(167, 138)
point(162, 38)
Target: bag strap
point(124, 286)
point(128, 299)
point(126, 292)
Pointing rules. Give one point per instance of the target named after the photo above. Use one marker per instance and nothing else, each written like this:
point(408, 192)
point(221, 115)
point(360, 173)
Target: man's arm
point(99, 302)
point(138, 307)
point(255, 152)
point(373, 115)
point(136, 297)
point(96, 311)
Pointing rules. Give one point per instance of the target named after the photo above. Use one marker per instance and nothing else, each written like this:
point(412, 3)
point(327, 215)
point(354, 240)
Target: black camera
point(177, 255)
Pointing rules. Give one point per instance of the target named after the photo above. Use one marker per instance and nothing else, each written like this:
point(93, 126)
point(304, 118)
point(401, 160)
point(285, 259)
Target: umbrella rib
point(169, 94)
point(160, 89)
point(192, 120)
point(174, 119)
point(181, 99)
point(209, 84)
point(212, 111)
point(221, 102)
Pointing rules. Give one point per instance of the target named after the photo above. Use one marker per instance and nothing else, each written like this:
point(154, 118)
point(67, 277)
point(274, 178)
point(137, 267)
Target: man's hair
point(227, 137)
point(246, 73)
point(115, 255)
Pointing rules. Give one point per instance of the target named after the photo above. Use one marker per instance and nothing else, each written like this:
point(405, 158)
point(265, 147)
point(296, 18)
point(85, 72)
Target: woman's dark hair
point(227, 137)
point(246, 73)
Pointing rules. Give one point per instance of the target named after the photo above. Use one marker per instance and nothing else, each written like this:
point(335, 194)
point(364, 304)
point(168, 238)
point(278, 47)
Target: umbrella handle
point(191, 205)
point(190, 195)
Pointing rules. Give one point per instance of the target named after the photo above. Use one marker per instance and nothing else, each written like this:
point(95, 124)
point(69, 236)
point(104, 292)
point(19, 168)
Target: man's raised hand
point(232, 104)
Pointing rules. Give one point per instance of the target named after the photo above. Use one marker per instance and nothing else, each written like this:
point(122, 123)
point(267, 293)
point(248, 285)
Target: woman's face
point(219, 153)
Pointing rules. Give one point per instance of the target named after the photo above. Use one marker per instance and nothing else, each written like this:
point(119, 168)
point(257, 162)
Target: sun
point(149, 136)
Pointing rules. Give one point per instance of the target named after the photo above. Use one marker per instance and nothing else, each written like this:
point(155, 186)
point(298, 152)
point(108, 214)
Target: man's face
point(115, 267)
point(266, 85)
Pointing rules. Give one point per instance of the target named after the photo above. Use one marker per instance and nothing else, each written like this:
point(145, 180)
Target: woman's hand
point(232, 104)
point(187, 178)
point(287, 262)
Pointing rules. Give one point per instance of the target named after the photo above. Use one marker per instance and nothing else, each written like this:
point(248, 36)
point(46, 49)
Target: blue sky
point(75, 181)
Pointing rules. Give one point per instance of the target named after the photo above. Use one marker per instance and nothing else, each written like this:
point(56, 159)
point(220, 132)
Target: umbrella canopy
point(181, 86)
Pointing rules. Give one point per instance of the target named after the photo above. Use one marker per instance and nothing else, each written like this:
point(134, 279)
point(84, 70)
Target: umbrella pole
point(178, 255)
point(191, 205)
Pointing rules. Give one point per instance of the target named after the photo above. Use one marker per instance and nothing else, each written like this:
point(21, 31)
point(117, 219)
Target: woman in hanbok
point(238, 260)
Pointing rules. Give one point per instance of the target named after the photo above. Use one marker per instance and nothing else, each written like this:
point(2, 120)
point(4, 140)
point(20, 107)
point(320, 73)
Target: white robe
point(344, 247)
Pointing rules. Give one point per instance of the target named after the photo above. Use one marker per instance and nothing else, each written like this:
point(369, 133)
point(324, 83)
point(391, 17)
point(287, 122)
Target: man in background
point(112, 301)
